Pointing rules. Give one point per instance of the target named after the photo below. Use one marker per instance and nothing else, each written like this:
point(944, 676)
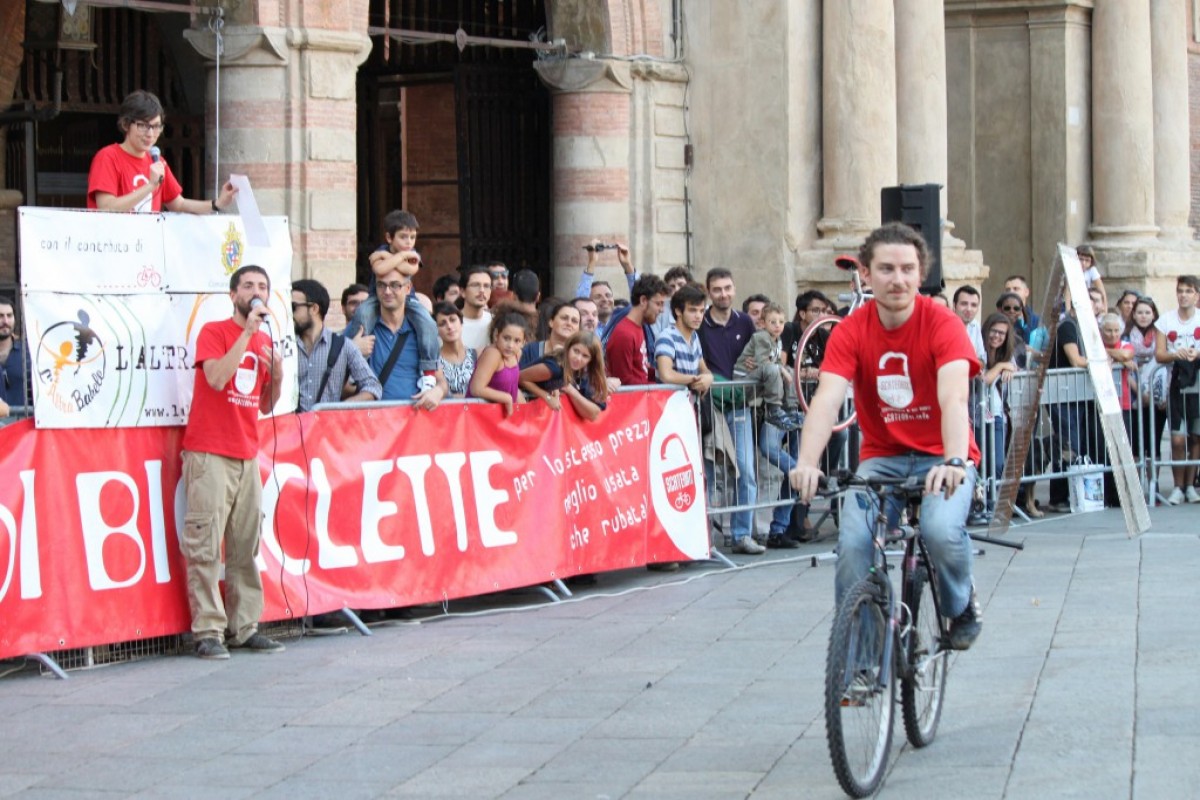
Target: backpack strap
point(336, 343)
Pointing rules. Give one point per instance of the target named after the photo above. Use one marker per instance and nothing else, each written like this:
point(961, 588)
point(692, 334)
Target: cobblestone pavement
point(702, 684)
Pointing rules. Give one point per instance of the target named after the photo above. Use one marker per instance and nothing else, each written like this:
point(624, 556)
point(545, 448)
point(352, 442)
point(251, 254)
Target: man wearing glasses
point(130, 175)
point(325, 362)
point(394, 357)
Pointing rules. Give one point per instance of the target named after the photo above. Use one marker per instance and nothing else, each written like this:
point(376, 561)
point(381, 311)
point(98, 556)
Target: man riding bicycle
point(911, 363)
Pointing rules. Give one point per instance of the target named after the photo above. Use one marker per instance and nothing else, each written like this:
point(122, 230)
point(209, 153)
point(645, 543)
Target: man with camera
point(600, 292)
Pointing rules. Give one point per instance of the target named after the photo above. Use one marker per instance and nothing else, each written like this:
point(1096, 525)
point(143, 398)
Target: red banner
point(374, 508)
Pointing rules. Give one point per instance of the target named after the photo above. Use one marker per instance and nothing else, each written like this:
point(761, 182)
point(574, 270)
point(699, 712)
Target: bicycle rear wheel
point(923, 685)
point(859, 706)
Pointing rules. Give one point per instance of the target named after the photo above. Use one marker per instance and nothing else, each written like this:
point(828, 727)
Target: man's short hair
point(895, 233)
point(1188, 280)
point(236, 277)
point(443, 284)
point(1020, 278)
point(716, 274)
point(601, 283)
point(577, 300)
point(496, 263)
point(966, 289)
point(5, 300)
point(139, 106)
point(525, 286)
point(804, 300)
point(686, 295)
point(677, 272)
point(754, 298)
point(474, 269)
point(398, 219)
point(447, 310)
point(646, 286)
point(313, 292)
point(354, 288)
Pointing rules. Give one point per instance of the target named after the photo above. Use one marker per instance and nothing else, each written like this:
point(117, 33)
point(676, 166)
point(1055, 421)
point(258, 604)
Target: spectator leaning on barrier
point(132, 176)
point(628, 339)
point(1152, 383)
point(1067, 418)
point(456, 360)
point(910, 364)
point(724, 333)
point(1175, 344)
point(14, 360)
point(394, 357)
point(325, 362)
point(238, 375)
point(398, 253)
point(678, 357)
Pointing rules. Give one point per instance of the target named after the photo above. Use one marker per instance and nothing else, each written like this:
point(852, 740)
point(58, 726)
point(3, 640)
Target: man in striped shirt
point(677, 353)
point(310, 303)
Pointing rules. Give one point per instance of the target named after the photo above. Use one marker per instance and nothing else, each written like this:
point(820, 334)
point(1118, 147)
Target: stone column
point(1169, 55)
point(921, 155)
point(591, 166)
point(287, 106)
point(1123, 122)
point(859, 123)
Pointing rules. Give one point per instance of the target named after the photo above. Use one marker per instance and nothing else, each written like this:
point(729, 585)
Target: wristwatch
point(955, 462)
point(214, 207)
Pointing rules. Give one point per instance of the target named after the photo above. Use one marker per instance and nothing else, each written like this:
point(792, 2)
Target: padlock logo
point(247, 374)
point(679, 480)
point(895, 390)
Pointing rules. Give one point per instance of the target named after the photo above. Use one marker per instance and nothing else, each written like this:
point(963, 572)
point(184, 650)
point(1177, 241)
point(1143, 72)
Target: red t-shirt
point(625, 354)
point(226, 422)
point(895, 375)
point(116, 172)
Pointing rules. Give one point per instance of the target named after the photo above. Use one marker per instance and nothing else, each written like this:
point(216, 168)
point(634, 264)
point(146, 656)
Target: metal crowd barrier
point(747, 459)
point(1159, 421)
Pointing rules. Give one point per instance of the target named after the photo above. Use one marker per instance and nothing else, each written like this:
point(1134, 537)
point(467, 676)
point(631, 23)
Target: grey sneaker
point(781, 419)
point(965, 628)
point(426, 382)
point(211, 648)
point(257, 643)
point(746, 546)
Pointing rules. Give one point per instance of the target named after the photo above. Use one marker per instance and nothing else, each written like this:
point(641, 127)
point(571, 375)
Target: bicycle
point(876, 640)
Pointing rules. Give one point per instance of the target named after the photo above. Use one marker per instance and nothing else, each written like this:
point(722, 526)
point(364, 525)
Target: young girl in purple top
point(497, 373)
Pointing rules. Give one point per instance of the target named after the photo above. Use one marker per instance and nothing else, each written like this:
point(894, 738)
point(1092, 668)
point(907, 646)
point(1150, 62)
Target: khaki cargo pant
point(224, 501)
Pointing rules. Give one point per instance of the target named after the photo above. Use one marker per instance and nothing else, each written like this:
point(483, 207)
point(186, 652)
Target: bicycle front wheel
point(859, 701)
point(923, 685)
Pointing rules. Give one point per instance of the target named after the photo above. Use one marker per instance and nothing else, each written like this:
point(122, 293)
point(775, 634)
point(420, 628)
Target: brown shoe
point(1031, 508)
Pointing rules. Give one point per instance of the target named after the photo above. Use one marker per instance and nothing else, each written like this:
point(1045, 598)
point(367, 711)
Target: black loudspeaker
point(919, 207)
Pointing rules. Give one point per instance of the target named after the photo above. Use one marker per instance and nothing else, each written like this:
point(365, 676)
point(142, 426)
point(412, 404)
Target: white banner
point(113, 344)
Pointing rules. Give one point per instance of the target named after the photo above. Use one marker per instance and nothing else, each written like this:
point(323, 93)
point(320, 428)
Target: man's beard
point(5, 334)
point(303, 327)
point(242, 308)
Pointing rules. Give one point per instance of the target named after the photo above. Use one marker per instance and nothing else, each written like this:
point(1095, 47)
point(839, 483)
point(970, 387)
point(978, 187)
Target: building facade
point(755, 135)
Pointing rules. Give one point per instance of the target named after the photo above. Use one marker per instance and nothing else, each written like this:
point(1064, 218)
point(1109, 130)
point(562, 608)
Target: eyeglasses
point(299, 305)
point(391, 286)
point(1010, 308)
point(146, 127)
point(997, 332)
point(500, 273)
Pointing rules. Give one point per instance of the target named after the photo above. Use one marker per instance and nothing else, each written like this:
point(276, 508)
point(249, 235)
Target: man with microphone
point(131, 175)
point(238, 375)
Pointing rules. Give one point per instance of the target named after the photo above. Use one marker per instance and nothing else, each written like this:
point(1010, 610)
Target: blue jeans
point(741, 426)
point(429, 344)
point(942, 529)
point(771, 445)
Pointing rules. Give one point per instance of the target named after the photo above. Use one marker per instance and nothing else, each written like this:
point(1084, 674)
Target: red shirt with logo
point(894, 373)
point(116, 172)
point(625, 354)
point(225, 423)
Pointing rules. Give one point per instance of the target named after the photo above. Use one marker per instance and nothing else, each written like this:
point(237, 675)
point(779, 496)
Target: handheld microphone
point(258, 303)
point(155, 153)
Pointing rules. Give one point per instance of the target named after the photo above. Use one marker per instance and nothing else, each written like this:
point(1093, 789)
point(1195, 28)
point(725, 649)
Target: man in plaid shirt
point(310, 303)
